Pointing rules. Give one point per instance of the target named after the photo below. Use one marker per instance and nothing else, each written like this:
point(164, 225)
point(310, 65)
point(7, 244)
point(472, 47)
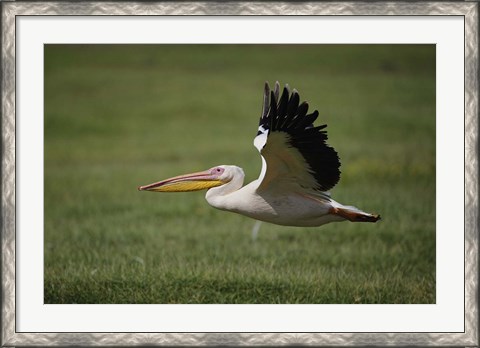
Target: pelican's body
point(274, 206)
point(298, 170)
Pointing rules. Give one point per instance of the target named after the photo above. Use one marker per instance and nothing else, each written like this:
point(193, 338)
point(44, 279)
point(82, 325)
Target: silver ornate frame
point(11, 9)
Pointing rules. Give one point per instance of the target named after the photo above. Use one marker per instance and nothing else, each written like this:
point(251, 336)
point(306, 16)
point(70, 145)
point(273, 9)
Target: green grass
point(117, 117)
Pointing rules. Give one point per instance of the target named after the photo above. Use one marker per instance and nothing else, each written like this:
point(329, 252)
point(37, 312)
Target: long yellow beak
point(183, 183)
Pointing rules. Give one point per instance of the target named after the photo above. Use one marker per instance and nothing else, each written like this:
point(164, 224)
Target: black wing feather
point(293, 105)
point(286, 114)
point(307, 121)
point(273, 112)
point(283, 103)
point(266, 102)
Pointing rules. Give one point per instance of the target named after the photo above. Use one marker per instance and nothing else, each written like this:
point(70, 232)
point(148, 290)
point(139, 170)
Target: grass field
point(117, 117)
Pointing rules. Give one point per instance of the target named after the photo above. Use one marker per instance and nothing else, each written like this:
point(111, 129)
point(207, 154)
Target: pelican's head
point(207, 179)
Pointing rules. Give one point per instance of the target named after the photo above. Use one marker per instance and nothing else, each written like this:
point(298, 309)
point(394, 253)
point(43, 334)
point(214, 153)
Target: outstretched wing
point(294, 152)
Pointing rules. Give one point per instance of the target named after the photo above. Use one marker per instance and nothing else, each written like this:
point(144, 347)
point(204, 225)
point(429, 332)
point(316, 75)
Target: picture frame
point(12, 10)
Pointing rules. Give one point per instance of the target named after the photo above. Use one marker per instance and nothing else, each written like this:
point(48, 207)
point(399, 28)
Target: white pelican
point(298, 168)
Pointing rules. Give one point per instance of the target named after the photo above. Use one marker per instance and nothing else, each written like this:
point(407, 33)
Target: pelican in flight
point(298, 170)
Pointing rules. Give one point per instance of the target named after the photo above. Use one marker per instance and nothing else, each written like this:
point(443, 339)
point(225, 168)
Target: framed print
point(365, 117)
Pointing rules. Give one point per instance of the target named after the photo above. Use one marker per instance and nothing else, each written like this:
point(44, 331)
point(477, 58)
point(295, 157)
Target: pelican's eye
point(217, 170)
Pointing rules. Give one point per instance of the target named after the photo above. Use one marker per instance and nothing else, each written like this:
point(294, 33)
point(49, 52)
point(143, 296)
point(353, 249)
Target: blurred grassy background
point(117, 117)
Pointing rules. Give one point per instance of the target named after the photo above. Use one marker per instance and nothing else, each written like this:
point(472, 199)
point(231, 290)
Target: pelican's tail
point(353, 214)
